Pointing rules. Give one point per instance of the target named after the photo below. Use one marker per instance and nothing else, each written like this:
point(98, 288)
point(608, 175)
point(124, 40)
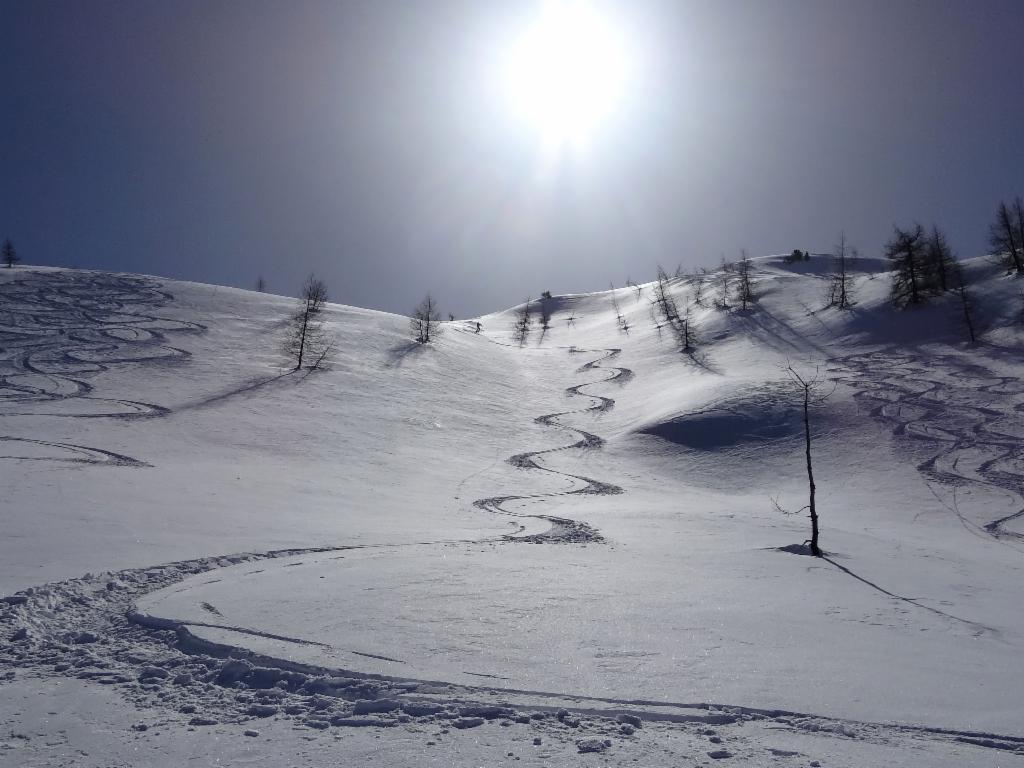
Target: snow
point(426, 543)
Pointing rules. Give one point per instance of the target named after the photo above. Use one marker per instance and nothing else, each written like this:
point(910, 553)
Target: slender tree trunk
point(810, 474)
point(966, 302)
point(302, 336)
point(913, 279)
point(1006, 220)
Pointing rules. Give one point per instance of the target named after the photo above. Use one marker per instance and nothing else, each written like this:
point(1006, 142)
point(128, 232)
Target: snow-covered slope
point(587, 521)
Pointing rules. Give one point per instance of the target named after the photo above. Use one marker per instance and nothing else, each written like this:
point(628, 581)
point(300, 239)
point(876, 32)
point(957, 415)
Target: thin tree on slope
point(425, 322)
point(840, 293)
point(1006, 235)
point(906, 251)
point(307, 341)
point(809, 388)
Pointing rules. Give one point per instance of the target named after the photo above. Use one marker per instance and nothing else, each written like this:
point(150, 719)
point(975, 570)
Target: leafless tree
point(721, 302)
point(638, 288)
point(664, 306)
point(261, 284)
point(840, 293)
point(1006, 235)
point(809, 387)
point(745, 289)
point(623, 325)
point(664, 303)
point(521, 329)
point(687, 330)
point(545, 310)
point(10, 256)
point(966, 305)
point(307, 341)
point(425, 322)
point(906, 251)
point(698, 279)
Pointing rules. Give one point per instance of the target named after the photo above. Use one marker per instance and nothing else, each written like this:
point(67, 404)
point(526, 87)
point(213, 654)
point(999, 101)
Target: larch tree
point(307, 341)
point(619, 319)
point(906, 252)
point(745, 288)
point(840, 291)
point(939, 262)
point(425, 322)
point(1006, 236)
point(10, 256)
point(521, 327)
point(966, 305)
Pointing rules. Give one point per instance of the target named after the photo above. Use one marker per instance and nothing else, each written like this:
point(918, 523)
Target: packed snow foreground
point(478, 552)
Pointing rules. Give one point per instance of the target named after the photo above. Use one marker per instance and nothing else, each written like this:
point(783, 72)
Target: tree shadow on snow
point(398, 354)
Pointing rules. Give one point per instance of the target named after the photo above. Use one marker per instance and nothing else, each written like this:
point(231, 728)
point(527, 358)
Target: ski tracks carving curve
point(564, 530)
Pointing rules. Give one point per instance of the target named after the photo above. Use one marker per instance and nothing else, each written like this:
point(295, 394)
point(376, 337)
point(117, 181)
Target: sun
point(566, 73)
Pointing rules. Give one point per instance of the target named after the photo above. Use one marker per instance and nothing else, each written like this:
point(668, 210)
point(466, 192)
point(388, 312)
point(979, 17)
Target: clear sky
point(379, 143)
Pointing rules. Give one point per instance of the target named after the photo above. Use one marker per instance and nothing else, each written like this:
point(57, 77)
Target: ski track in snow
point(87, 628)
point(61, 330)
point(563, 529)
point(951, 407)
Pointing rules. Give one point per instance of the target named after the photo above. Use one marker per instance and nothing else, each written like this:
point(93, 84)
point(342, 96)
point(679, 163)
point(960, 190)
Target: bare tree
point(10, 256)
point(680, 323)
point(545, 310)
point(906, 251)
point(698, 279)
point(725, 284)
point(745, 289)
point(687, 331)
point(664, 303)
point(809, 388)
point(840, 293)
point(966, 305)
point(1006, 235)
point(638, 288)
point(623, 325)
point(425, 322)
point(307, 339)
point(521, 329)
point(261, 284)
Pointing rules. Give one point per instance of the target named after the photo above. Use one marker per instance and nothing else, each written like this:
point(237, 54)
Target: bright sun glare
point(566, 73)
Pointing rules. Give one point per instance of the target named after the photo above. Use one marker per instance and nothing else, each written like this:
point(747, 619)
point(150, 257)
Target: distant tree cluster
point(922, 264)
point(665, 307)
point(797, 255)
point(523, 323)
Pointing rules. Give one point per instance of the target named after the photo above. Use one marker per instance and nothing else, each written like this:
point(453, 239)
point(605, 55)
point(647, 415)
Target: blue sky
point(371, 142)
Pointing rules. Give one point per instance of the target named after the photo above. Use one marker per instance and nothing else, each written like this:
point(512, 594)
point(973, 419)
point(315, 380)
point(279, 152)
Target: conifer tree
point(906, 252)
point(10, 256)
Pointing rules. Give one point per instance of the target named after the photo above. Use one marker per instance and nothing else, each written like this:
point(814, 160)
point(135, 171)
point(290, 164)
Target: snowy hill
point(478, 544)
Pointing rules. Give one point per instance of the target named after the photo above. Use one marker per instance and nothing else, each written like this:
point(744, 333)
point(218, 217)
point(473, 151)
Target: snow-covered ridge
point(566, 536)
